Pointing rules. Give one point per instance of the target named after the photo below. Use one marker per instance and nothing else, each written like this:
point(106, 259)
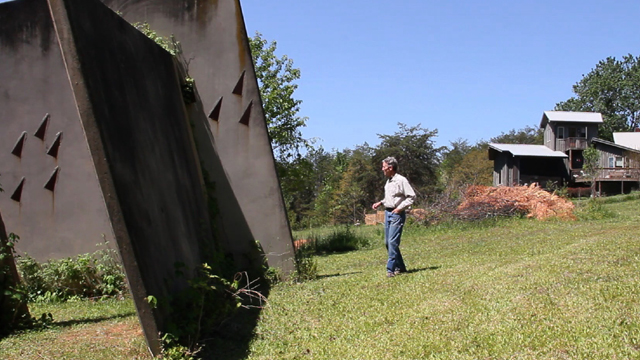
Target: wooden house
point(618, 168)
point(559, 161)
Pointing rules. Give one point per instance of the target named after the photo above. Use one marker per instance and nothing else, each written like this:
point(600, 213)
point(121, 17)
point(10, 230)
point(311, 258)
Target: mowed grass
point(508, 289)
point(81, 330)
point(513, 289)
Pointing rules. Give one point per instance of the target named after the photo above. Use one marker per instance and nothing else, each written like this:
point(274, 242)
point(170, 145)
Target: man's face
point(387, 170)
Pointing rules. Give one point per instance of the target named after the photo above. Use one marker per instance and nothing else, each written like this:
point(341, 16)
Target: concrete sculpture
point(98, 144)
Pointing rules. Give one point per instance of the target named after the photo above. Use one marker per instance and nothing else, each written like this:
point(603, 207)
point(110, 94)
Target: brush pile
point(482, 202)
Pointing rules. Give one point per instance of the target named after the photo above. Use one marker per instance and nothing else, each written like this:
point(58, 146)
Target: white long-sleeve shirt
point(398, 193)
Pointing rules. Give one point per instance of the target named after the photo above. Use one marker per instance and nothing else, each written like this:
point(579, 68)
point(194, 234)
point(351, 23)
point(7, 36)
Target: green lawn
point(513, 289)
point(519, 289)
point(81, 330)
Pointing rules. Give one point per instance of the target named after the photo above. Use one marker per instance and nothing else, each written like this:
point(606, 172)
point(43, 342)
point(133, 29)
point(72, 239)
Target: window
point(617, 161)
point(573, 132)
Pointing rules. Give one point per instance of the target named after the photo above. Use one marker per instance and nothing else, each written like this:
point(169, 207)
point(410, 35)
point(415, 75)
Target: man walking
point(398, 195)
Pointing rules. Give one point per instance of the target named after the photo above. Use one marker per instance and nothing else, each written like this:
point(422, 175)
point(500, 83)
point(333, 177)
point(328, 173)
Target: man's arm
point(409, 194)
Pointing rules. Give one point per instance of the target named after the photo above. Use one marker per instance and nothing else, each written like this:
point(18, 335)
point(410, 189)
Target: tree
point(465, 165)
point(590, 166)
point(526, 135)
point(475, 168)
point(327, 204)
point(417, 155)
point(612, 88)
point(451, 159)
point(276, 78)
point(358, 185)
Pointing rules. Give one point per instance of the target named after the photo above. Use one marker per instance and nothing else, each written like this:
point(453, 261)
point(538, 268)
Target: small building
point(518, 164)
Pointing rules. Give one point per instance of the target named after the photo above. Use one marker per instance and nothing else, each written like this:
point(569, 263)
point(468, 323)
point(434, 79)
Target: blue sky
point(471, 70)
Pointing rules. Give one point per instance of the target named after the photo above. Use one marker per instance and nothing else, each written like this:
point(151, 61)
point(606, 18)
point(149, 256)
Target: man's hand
point(376, 205)
point(396, 211)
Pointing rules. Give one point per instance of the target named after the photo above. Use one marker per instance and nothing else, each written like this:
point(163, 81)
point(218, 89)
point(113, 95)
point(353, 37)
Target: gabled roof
point(628, 139)
point(605, 142)
point(571, 116)
point(526, 150)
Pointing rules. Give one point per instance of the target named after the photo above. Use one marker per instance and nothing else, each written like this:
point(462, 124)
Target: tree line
point(334, 187)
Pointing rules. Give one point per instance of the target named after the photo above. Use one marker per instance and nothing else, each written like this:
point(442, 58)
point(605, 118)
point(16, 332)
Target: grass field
point(509, 289)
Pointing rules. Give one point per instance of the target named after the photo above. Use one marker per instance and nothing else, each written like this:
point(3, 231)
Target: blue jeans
point(393, 224)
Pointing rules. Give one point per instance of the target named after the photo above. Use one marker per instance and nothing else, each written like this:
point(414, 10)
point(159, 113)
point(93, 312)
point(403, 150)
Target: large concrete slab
point(70, 217)
point(214, 40)
point(130, 103)
point(36, 105)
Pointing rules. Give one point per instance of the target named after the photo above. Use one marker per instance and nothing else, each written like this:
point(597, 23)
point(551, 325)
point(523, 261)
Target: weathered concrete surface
point(230, 226)
point(214, 40)
point(70, 219)
point(130, 103)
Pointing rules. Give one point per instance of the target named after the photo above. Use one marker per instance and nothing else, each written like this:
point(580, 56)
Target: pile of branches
point(441, 208)
point(481, 202)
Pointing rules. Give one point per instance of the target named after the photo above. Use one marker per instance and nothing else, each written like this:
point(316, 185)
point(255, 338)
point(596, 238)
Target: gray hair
point(391, 161)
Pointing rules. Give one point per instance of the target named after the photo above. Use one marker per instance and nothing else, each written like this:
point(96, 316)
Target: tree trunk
point(11, 309)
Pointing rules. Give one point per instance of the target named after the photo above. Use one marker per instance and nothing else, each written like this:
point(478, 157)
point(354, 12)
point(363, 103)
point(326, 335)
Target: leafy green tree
point(298, 188)
point(358, 185)
point(276, 80)
point(451, 159)
point(417, 155)
point(327, 204)
point(612, 88)
point(527, 135)
point(465, 165)
point(591, 157)
point(475, 168)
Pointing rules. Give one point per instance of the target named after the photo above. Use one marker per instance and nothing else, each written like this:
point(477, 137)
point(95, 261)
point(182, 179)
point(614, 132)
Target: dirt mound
point(532, 201)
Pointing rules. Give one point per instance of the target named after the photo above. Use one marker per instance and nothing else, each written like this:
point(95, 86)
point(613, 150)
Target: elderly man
point(398, 196)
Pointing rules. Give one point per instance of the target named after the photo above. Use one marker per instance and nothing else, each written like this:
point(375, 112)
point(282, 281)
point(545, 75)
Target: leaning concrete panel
point(52, 198)
point(230, 225)
point(214, 40)
point(130, 104)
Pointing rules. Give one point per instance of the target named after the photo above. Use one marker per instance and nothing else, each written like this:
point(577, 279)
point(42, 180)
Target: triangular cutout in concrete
point(42, 129)
point(17, 148)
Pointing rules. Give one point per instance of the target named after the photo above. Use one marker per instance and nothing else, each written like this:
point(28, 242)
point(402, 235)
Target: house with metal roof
point(560, 160)
point(517, 164)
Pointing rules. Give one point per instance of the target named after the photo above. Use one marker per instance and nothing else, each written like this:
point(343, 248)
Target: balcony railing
point(572, 143)
point(608, 174)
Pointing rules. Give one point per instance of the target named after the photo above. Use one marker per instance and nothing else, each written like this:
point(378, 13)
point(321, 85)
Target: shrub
point(85, 276)
point(592, 209)
point(340, 240)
